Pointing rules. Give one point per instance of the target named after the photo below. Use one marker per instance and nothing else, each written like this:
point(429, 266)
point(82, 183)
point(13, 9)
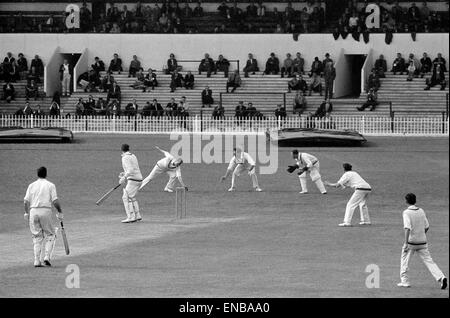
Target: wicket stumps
point(180, 202)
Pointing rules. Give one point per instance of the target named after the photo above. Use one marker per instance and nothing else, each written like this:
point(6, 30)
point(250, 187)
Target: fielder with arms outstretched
point(132, 178)
point(240, 162)
point(308, 165)
point(39, 199)
point(171, 166)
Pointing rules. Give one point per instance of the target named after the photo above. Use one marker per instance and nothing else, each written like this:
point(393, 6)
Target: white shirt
point(131, 167)
point(41, 194)
point(66, 69)
point(415, 220)
point(244, 159)
point(353, 180)
point(306, 160)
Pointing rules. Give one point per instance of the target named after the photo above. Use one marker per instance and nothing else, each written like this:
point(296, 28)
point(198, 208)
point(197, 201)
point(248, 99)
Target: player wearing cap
point(309, 165)
point(171, 166)
point(39, 199)
point(132, 178)
point(416, 226)
point(240, 162)
point(362, 189)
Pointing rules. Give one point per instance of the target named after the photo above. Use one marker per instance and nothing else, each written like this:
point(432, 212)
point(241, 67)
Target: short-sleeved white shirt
point(353, 180)
point(415, 220)
point(41, 194)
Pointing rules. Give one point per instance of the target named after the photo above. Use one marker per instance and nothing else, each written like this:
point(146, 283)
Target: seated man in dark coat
point(427, 65)
point(437, 78)
point(116, 64)
point(177, 81)
point(156, 108)
point(373, 81)
point(324, 109)
point(280, 112)
point(135, 65)
point(31, 90)
point(98, 65)
point(114, 92)
point(113, 108)
point(234, 81)
point(189, 80)
point(240, 110)
point(251, 65)
point(9, 92)
point(206, 65)
point(222, 65)
point(147, 110)
point(207, 98)
point(38, 66)
point(218, 112)
point(172, 64)
point(132, 108)
point(150, 80)
point(381, 66)
point(399, 64)
point(106, 82)
point(171, 108)
point(297, 83)
point(272, 65)
point(371, 101)
point(26, 111)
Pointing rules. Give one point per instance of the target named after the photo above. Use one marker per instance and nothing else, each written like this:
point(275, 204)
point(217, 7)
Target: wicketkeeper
point(171, 166)
point(131, 177)
point(38, 201)
point(240, 162)
point(308, 165)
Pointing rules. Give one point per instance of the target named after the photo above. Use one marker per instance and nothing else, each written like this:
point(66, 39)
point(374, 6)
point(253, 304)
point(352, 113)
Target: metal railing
point(252, 93)
point(369, 125)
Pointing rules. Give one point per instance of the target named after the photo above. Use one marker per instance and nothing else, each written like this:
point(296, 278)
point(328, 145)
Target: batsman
point(308, 165)
point(131, 177)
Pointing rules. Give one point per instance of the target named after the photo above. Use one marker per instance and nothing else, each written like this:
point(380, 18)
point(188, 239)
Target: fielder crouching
point(38, 201)
point(132, 176)
point(308, 165)
point(240, 162)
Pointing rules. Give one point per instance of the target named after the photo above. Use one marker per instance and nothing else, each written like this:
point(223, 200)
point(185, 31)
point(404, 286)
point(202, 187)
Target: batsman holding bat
point(308, 165)
point(131, 177)
point(39, 199)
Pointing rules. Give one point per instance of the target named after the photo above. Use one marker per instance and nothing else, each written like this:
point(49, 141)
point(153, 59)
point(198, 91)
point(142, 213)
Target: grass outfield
point(243, 244)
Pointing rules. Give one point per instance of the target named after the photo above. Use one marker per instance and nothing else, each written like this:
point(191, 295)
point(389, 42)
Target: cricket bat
point(106, 195)
point(63, 234)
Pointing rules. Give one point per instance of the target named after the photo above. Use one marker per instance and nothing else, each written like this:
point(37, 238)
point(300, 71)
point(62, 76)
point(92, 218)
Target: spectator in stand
point(251, 110)
point(280, 112)
point(261, 12)
point(297, 83)
point(140, 78)
point(114, 93)
point(106, 82)
point(79, 107)
point(22, 66)
point(437, 77)
point(183, 107)
point(288, 66)
point(424, 11)
point(316, 85)
point(9, 68)
point(371, 102)
point(31, 90)
point(55, 105)
point(398, 66)
point(218, 112)
point(373, 81)
point(272, 65)
point(316, 67)
point(299, 64)
point(135, 65)
point(176, 81)
point(25, 111)
point(252, 10)
point(38, 66)
point(150, 80)
point(234, 81)
point(131, 109)
point(223, 8)
point(240, 110)
point(171, 108)
point(189, 80)
point(411, 70)
point(381, 66)
point(413, 15)
point(251, 65)
point(98, 65)
point(186, 12)
point(9, 92)
point(113, 108)
point(172, 64)
point(64, 77)
point(416, 63)
point(206, 65)
point(329, 74)
point(116, 64)
point(85, 18)
point(300, 103)
point(100, 107)
point(147, 110)
point(90, 105)
point(426, 64)
point(353, 22)
point(198, 10)
point(324, 110)
point(222, 65)
point(207, 98)
point(38, 112)
point(441, 61)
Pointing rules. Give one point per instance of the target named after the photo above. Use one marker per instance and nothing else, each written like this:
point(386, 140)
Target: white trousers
point(358, 198)
point(43, 232)
point(157, 171)
point(424, 254)
point(66, 84)
point(240, 168)
point(129, 199)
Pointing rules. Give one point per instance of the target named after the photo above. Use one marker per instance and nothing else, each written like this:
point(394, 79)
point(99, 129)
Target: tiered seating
point(258, 89)
point(19, 101)
point(411, 96)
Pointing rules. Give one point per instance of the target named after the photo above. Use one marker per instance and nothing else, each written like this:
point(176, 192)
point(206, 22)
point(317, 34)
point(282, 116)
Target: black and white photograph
point(224, 155)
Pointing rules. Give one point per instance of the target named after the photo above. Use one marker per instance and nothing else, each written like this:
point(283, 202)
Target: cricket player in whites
point(240, 162)
point(171, 166)
point(308, 165)
point(132, 176)
point(39, 199)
